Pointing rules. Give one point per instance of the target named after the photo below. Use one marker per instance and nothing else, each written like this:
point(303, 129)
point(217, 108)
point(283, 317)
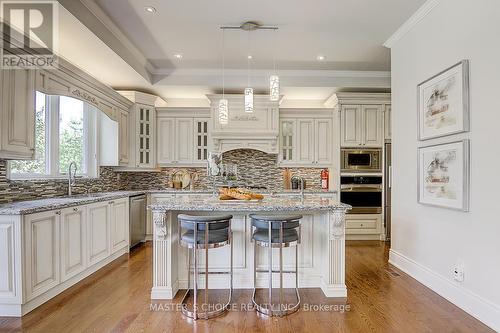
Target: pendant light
point(274, 80)
point(223, 103)
point(248, 90)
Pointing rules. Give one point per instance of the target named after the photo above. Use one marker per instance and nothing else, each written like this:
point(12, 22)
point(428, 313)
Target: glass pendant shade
point(223, 112)
point(274, 88)
point(249, 100)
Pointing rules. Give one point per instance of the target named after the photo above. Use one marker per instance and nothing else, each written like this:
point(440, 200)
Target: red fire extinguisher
point(324, 179)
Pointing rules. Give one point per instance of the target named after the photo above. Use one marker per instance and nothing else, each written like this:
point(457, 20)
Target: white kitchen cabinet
point(387, 122)
point(306, 142)
point(98, 232)
point(141, 139)
point(182, 141)
point(41, 241)
point(119, 223)
point(305, 133)
point(361, 125)
point(363, 224)
point(373, 128)
point(73, 241)
point(124, 137)
point(323, 141)
point(17, 114)
point(145, 139)
point(350, 119)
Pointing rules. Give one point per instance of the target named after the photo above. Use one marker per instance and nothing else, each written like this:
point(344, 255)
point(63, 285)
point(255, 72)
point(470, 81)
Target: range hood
point(258, 130)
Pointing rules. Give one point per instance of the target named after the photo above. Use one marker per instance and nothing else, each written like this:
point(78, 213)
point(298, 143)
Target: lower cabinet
point(99, 246)
point(119, 219)
point(73, 242)
point(61, 244)
point(363, 224)
point(41, 241)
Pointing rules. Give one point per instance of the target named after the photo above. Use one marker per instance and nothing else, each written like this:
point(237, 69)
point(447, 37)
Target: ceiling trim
point(406, 27)
point(99, 23)
point(265, 72)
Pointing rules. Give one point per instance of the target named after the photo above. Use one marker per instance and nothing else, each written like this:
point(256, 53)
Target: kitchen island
point(321, 252)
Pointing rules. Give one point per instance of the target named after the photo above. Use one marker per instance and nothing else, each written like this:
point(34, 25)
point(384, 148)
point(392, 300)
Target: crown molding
point(406, 27)
point(100, 24)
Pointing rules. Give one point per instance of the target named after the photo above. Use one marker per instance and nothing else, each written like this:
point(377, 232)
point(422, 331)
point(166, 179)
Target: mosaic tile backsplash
point(255, 168)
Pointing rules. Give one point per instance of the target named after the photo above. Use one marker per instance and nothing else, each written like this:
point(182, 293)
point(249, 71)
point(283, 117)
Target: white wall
point(427, 241)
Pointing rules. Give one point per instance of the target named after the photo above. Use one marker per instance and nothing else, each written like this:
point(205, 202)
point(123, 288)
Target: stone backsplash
point(255, 169)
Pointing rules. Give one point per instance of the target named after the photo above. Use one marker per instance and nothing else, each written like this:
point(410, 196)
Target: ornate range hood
point(258, 130)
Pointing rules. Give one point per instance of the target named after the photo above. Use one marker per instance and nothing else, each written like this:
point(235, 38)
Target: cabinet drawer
point(361, 224)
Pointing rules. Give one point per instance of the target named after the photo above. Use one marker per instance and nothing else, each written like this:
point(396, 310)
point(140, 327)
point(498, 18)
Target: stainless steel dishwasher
point(137, 219)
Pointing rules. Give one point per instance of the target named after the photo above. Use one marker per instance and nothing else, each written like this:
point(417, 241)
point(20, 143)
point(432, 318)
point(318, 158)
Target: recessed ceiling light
point(150, 9)
point(178, 56)
point(320, 57)
point(249, 57)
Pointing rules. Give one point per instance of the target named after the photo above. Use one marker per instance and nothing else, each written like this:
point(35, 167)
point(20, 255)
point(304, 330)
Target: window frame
point(52, 141)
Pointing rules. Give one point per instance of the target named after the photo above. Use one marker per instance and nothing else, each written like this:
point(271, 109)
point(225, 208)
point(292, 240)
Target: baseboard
point(478, 307)
point(18, 310)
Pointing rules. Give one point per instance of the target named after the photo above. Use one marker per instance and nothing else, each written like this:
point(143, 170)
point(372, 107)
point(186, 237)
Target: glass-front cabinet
point(287, 140)
point(201, 127)
point(145, 137)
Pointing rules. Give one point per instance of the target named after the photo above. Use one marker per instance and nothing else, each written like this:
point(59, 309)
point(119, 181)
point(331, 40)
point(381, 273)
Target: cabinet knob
point(75, 209)
point(58, 212)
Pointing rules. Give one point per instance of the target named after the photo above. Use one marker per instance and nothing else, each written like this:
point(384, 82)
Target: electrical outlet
point(458, 272)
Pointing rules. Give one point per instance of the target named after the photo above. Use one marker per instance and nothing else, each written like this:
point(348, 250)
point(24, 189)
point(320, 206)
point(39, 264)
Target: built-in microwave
point(361, 160)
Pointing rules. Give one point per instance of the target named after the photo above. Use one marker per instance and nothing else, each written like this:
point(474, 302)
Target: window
point(64, 133)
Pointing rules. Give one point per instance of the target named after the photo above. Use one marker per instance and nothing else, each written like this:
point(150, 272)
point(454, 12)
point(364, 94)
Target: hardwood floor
point(381, 299)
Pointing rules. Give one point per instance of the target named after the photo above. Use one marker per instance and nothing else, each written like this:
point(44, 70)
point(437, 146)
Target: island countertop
point(269, 203)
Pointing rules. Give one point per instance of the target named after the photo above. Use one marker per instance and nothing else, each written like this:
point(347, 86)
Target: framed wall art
point(443, 175)
point(443, 103)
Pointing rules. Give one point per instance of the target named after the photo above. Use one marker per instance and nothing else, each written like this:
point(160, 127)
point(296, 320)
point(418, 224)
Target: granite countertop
point(40, 205)
point(270, 203)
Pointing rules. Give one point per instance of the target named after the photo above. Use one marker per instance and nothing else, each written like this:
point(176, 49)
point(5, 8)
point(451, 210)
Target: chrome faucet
point(301, 179)
point(71, 177)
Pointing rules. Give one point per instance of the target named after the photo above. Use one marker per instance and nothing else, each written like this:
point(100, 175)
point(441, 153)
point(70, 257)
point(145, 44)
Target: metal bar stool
point(280, 231)
point(210, 232)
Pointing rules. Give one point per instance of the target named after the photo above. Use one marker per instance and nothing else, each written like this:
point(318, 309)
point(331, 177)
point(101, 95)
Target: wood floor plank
point(380, 299)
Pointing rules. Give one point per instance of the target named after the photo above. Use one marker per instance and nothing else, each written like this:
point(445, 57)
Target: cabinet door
point(323, 145)
point(350, 129)
point(288, 130)
point(166, 141)
point(305, 128)
point(145, 122)
point(183, 140)
point(201, 140)
point(17, 105)
point(98, 232)
point(373, 134)
point(42, 252)
point(73, 241)
point(123, 134)
point(119, 218)
point(387, 122)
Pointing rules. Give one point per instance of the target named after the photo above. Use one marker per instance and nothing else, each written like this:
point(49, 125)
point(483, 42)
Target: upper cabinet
point(183, 136)
point(17, 112)
point(138, 132)
point(362, 119)
point(306, 141)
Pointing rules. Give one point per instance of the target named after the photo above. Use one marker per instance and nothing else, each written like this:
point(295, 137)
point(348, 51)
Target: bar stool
point(280, 231)
point(210, 232)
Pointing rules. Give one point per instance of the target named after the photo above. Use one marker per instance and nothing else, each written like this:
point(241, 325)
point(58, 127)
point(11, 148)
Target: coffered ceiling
point(348, 33)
